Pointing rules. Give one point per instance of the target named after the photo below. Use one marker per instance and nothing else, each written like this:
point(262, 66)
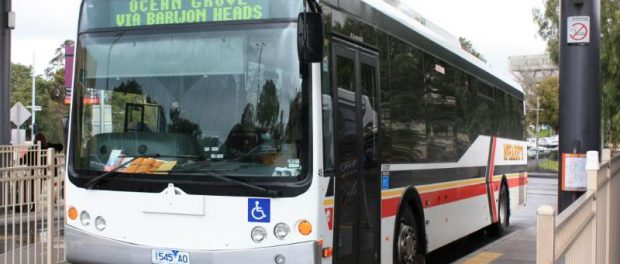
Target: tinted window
point(239, 110)
point(328, 113)
point(501, 119)
point(386, 118)
point(480, 114)
point(463, 116)
point(441, 109)
point(519, 119)
point(407, 106)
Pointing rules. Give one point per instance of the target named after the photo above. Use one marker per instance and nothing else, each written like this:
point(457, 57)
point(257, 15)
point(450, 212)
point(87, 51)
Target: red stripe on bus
point(491, 174)
point(516, 182)
point(389, 206)
point(441, 197)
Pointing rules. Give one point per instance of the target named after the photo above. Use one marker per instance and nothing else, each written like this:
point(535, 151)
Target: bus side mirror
point(310, 37)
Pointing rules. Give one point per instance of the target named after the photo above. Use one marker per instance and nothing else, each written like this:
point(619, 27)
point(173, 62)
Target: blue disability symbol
point(258, 210)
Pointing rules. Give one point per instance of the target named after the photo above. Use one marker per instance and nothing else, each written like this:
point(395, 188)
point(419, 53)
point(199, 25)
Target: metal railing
point(547, 162)
point(588, 230)
point(31, 205)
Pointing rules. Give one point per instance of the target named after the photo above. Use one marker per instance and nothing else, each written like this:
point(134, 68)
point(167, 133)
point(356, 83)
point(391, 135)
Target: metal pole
point(5, 71)
point(34, 95)
point(580, 83)
point(537, 129)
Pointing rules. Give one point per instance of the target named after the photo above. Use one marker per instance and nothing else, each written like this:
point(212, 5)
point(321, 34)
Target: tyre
point(408, 241)
point(503, 211)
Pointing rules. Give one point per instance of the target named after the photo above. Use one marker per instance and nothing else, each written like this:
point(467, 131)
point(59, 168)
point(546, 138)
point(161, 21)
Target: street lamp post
point(537, 128)
point(34, 96)
point(33, 107)
point(580, 84)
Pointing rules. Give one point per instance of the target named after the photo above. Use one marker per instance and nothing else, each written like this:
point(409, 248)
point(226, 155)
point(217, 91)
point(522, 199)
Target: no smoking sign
point(578, 30)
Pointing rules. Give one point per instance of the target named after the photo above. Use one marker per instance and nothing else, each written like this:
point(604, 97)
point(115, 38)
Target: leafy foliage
point(469, 47)
point(58, 61)
point(548, 21)
point(268, 106)
point(50, 94)
point(548, 93)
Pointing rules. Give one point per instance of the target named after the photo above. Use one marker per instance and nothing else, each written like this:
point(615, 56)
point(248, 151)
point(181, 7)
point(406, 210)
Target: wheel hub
point(407, 243)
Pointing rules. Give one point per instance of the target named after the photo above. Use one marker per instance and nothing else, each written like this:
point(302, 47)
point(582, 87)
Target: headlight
point(85, 218)
point(258, 234)
point(280, 259)
point(281, 230)
point(100, 223)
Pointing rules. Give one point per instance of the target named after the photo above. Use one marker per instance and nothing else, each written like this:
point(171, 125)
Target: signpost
point(578, 30)
point(580, 93)
point(19, 115)
point(7, 23)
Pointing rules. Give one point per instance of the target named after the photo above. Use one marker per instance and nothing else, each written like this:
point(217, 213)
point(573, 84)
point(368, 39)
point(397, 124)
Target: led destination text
point(164, 12)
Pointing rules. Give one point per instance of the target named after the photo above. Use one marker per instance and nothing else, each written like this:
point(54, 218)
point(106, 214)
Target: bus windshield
point(195, 100)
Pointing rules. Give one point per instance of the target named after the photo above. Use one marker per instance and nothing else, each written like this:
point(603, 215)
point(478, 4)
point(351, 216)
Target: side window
point(407, 108)
point(480, 116)
point(519, 120)
point(500, 118)
point(441, 110)
point(461, 125)
point(385, 95)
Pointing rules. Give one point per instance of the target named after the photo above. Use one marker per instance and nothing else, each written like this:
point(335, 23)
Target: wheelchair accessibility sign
point(259, 210)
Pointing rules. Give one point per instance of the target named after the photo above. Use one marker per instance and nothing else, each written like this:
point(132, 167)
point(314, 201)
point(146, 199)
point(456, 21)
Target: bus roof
point(398, 11)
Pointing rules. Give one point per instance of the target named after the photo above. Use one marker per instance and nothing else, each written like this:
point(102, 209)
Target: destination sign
point(133, 13)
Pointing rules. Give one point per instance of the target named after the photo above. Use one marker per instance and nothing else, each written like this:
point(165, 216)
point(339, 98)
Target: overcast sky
point(497, 28)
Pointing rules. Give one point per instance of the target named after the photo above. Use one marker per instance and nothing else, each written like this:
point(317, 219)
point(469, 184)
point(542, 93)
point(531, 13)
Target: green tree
point(548, 93)
point(50, 94)
point(548, 21)
point(469, 47)
point(268, 106)
point(58, 61)
point(53, 109)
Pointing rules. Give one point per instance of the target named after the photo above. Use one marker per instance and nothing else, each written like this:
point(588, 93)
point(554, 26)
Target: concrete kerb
point(542, 174)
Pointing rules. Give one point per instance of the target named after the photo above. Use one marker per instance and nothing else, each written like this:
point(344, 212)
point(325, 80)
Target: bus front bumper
point(86, 248)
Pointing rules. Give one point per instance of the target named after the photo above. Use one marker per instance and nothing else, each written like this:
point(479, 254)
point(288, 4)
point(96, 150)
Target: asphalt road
point(540, 191)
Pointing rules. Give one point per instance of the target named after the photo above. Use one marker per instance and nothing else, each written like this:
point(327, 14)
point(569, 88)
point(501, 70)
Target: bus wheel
point(408, 250)
point(503, 211)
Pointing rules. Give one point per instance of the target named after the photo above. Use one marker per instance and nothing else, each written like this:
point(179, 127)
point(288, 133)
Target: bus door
point(357, 199)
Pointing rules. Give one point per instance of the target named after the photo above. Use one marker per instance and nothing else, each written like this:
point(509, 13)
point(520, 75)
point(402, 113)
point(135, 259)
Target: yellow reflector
point(305, 228)
point(73, 213)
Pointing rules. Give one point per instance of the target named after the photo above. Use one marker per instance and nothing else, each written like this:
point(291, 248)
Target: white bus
point(218, 131)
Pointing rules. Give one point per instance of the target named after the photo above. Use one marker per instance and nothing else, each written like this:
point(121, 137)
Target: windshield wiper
point(94, 181)
point(214, 174)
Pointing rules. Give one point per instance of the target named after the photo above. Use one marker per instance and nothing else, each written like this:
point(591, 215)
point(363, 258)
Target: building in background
point(530, 70)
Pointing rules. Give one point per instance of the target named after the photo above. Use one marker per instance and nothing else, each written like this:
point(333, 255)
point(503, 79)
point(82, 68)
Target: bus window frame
point(149, 184)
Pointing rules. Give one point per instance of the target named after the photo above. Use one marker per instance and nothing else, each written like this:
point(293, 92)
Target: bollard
point(545, 235)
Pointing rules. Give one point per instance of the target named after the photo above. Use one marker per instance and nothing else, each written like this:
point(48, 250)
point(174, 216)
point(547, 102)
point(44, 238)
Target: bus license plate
point(165, 256)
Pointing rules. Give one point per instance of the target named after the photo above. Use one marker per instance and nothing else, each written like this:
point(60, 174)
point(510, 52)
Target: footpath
point(519, 244)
